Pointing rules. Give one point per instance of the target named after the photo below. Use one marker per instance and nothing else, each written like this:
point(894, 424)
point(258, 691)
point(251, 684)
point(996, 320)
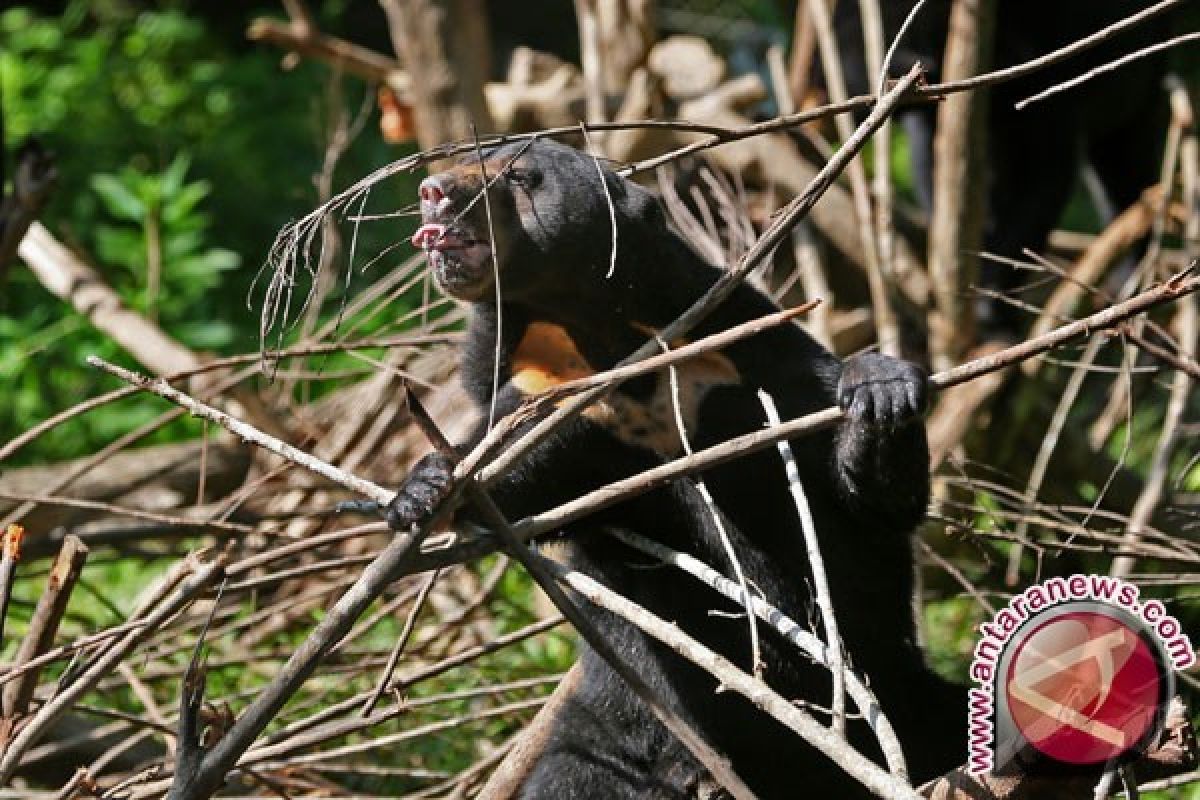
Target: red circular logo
point(1084, 687)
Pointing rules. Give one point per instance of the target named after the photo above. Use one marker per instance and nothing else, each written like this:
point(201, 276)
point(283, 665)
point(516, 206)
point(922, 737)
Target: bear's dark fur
point(867, 482)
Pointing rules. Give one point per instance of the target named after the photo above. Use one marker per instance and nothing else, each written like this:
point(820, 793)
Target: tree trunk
point(956, 225)
point(443, 45)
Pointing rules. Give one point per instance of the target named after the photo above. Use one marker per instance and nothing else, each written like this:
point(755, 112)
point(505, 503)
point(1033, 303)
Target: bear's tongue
point(429, 235)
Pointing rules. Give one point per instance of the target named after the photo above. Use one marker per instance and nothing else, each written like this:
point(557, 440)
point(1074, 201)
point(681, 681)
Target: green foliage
point(163, 230)
point(181, 152)
point(951, 628)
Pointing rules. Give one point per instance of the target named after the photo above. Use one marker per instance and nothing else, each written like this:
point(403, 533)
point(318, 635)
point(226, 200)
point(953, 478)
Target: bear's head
point(552, 212)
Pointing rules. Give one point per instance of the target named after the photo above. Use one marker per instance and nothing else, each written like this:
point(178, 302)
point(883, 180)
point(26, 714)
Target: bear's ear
point(635, 203)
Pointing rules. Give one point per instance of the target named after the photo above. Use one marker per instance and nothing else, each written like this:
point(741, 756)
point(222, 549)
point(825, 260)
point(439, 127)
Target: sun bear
point(567, 309)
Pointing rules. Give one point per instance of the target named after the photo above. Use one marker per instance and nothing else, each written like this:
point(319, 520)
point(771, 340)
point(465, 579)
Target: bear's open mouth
point(460, 261)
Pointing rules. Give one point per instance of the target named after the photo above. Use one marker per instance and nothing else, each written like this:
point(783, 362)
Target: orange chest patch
point(547, 357)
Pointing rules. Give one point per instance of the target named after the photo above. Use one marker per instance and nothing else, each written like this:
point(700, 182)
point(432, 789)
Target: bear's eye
point(526, 178)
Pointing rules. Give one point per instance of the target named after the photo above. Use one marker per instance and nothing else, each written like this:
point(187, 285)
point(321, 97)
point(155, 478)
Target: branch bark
point(338, 53)
point(10, 555)
point(73, 281)
point(44, 624)
point(105, 663)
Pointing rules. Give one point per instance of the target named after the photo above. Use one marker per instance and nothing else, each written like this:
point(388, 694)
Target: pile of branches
point(287, 650)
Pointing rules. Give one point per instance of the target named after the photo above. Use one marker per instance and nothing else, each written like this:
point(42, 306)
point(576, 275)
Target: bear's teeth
point(429, 235)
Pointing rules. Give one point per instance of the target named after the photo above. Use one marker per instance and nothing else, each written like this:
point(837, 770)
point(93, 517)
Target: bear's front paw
point(421, 493)
point(879, 390)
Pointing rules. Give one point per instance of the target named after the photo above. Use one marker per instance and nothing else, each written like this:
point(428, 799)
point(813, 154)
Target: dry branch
point(958, 407)
point(506, 780)
point(246, 432)
point(1188, 323)
point(1095, 72)
point(44, 625)
point(731, 678)
point(338, 53)
point(10, 555)
point(816, 565)
point(106, 662)
point(887, 330)
point(70, 279)
point(174, 468)
point(445, 50)
point(956, 224)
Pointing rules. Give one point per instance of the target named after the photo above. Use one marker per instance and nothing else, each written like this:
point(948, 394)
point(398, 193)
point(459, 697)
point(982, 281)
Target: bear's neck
point(653, 280)
point(605, 317)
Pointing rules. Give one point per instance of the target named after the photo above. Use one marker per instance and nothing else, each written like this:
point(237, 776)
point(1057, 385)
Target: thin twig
point(1046, 450)
point(135, 513)
point(247, 432)
point(401, 642)
point(756, 661)
point(487, 208)
point(816, 565)
point(1188, 319)
point(10, 555)
point(1095, 72)
point(612, 210)
point(891, 53)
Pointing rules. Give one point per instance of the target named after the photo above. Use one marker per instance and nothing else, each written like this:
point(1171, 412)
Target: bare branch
point(44, 624)
point(816, 565)
point(1096, 72)
point(10, 555)
point(104, 663)
point(727, 675)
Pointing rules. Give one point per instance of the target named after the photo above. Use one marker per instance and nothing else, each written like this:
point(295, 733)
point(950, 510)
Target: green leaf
point(207, 335)
point(173, 175)
point(209, 262)
point(182, 203)
point(121, 247)
point(118, 199)
point(181, 244)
